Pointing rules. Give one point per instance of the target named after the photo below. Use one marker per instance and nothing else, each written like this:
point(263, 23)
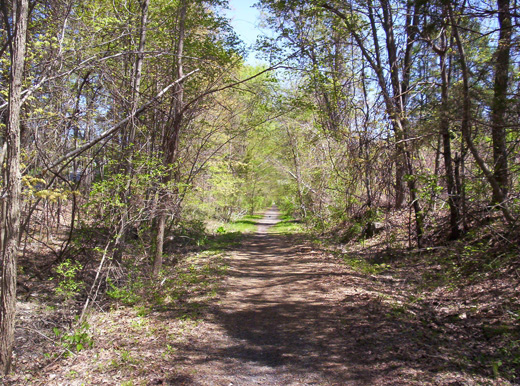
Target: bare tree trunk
point(138, 71)
point(171, 143)
point(398, 113)
point(296, 161)
point(453, 196)
point(10, 226)
point(395, 99)
point(465, 125)
point(365, 143)
point(398, 109)
point(158, 260)
point(500, 98)
point(121, 237)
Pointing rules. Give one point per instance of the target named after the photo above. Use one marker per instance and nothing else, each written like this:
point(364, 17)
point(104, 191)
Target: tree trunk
point(10, 226)
point(138, 70)
point(453, 197)
point(398, 113)
point(499, 105)
point(129, 136)
point(465, 125)
point(398, 109)
point(395, 99)
point(158, 260)
point(171, 143)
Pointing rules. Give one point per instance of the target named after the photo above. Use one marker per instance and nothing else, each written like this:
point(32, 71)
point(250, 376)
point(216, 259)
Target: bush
point(68, 286)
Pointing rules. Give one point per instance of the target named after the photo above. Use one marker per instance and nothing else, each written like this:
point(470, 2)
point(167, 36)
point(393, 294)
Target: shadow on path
point(292, 316)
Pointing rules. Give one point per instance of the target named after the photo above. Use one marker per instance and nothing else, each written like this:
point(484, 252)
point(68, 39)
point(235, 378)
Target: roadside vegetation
point(465, 290)
point(287, 225)
point(245, 224)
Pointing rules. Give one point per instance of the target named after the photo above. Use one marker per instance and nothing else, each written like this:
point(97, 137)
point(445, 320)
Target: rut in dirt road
point(294, 316)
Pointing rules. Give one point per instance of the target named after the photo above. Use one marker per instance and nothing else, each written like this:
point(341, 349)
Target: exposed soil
point(293, 315)
point(288, 313)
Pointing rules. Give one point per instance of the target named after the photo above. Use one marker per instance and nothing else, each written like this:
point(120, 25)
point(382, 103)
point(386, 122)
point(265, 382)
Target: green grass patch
point(360, 264)
point(230, 234)
point(254, 217)
point(246, 224)
point(185, 288)
point(222, 241)
point(287, 225)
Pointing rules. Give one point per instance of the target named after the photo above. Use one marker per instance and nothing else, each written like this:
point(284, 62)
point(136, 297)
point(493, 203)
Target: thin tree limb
point(73, 154)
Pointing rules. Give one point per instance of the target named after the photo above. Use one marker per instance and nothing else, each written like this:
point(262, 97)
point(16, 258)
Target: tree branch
point(73, 154)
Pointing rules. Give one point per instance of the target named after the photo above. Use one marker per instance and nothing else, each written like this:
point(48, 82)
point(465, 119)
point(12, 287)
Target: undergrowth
point(287, 225)
point(246, 224)
point(361, 264)
point(469, 285)
point(184, 288)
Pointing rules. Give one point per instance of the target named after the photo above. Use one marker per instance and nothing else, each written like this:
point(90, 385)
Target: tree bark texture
point(12, 192)
point(444, 126)
point(465, 124)
point(171, 143)
point(499, 106)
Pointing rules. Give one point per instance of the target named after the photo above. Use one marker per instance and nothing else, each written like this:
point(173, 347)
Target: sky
point(245, 21)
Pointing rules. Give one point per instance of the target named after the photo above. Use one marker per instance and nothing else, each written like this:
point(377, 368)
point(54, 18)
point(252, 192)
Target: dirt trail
point(293, 316)
point(287, 313)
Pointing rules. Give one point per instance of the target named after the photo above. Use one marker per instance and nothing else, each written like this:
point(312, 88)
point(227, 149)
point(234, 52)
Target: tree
point(129, 135)
point(11, 195)
point(396, 94)
point(499, 104)
point(170, 142)
point(437, 28)
point(466, 121)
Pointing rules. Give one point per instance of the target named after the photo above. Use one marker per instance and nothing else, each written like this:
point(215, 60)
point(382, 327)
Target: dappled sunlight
point(343, 211)
point(292, 315)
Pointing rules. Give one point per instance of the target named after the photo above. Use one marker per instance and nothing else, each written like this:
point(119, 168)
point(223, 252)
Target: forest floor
point(278, 309)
